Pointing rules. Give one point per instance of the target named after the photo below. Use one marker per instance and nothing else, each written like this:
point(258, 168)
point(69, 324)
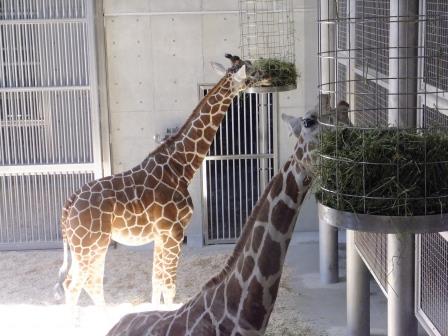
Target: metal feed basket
point(267, 40)
point(380, 164)
point(383, 167)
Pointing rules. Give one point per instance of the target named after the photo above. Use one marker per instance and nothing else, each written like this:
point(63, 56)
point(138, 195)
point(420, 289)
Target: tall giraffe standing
point(148, 203)
point(240, 299)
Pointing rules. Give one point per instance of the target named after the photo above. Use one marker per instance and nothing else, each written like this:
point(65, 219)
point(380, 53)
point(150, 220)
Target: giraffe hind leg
point(74, 283)
point(95, 279)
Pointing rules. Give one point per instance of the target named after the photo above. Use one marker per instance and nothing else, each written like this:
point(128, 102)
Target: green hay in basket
point(281, 73)
point(386, 166)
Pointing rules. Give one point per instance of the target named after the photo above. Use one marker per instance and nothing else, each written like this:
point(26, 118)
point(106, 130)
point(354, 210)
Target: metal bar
point(400, 285)
point(371, 267)
point(263, 140)
point(14, 22)
point(403, 52)
point(235, 205)
point(358, 291)
point(328, 236)
point(203, 12)
point(4, 218)
point(47, 168)
point(230, 157)
point(328, 259)
point(27, 246)
point(402, 103)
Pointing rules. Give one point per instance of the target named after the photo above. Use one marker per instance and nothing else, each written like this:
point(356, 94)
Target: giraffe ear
point(294, 124)
point(240, 75)
point(219, 68)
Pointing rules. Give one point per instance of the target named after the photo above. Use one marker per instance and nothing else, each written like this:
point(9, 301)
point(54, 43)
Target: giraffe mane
point(186, 126)
point(248, 227)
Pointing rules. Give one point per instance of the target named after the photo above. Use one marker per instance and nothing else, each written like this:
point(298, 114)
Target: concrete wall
point(159, 51)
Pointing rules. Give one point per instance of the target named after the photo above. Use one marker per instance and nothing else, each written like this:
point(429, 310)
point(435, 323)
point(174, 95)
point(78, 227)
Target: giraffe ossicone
point(239, 300)
point(149, 202)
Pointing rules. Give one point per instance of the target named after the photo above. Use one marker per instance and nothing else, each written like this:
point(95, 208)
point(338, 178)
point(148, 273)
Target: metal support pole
point(401, 318)
point(403, 57)
point(358, 291)
point(328, 236)
point(328, 253)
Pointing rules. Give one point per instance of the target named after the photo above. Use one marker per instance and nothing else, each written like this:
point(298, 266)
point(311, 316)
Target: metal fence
point(49, 118)
point(241, 161)
point(432, 260)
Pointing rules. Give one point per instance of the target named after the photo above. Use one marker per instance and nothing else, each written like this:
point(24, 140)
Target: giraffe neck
point(189, 146)
point(252, 274)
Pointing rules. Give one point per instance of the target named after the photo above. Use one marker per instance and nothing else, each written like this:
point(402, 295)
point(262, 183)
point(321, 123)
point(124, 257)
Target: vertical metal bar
point(275, 113)
point(64, 126)
point(403, 52)
point(251, 152)
point(36, 205)
point(328, 259)
point(358, 291)
point(240, 140)
point(3, 131)
point(400, 285)
point(19, 53)
point(78, 80)
point(44, 203)
point(50, 218)
point(262, 140)
point(12, 215)
point(207, 208)
point(22, 200)
point(328, 236)
point(19, 129)
point(402, 103)
point(65, 58)
point(29, 207)
point(6, 135)
point(60, 61)
point(4, 224)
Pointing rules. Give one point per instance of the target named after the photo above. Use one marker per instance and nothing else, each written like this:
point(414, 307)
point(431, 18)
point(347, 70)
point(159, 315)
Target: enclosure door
point(241, 161)
point(49, 118)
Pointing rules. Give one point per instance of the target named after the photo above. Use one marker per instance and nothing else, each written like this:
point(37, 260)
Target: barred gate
point(49, 118)
point(241, 161)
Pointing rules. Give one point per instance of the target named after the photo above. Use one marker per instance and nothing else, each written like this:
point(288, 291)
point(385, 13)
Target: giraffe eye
point(307, 123)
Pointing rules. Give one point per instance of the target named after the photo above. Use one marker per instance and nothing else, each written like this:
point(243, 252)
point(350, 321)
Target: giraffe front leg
point(171, 253)
point(157, 272)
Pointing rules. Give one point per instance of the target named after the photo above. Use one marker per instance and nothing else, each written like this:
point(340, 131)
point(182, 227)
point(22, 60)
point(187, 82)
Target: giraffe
point(240, 299)
point(149, 202)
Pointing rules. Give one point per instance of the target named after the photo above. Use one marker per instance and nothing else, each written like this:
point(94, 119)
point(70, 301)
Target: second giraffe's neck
point(252, 275)
point(192, 142)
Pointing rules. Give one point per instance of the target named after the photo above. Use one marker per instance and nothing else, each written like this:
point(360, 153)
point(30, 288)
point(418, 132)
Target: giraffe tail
point(63, 271)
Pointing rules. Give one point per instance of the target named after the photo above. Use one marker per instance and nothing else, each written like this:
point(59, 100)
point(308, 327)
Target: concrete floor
point(324, 306)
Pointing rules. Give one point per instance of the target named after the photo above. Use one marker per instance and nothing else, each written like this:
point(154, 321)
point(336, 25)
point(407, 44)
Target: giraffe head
point(306, 130)
point(241, 73)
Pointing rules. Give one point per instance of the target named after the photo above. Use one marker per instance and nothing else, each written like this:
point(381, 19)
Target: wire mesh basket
point(384, 66)
point(267, 40)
